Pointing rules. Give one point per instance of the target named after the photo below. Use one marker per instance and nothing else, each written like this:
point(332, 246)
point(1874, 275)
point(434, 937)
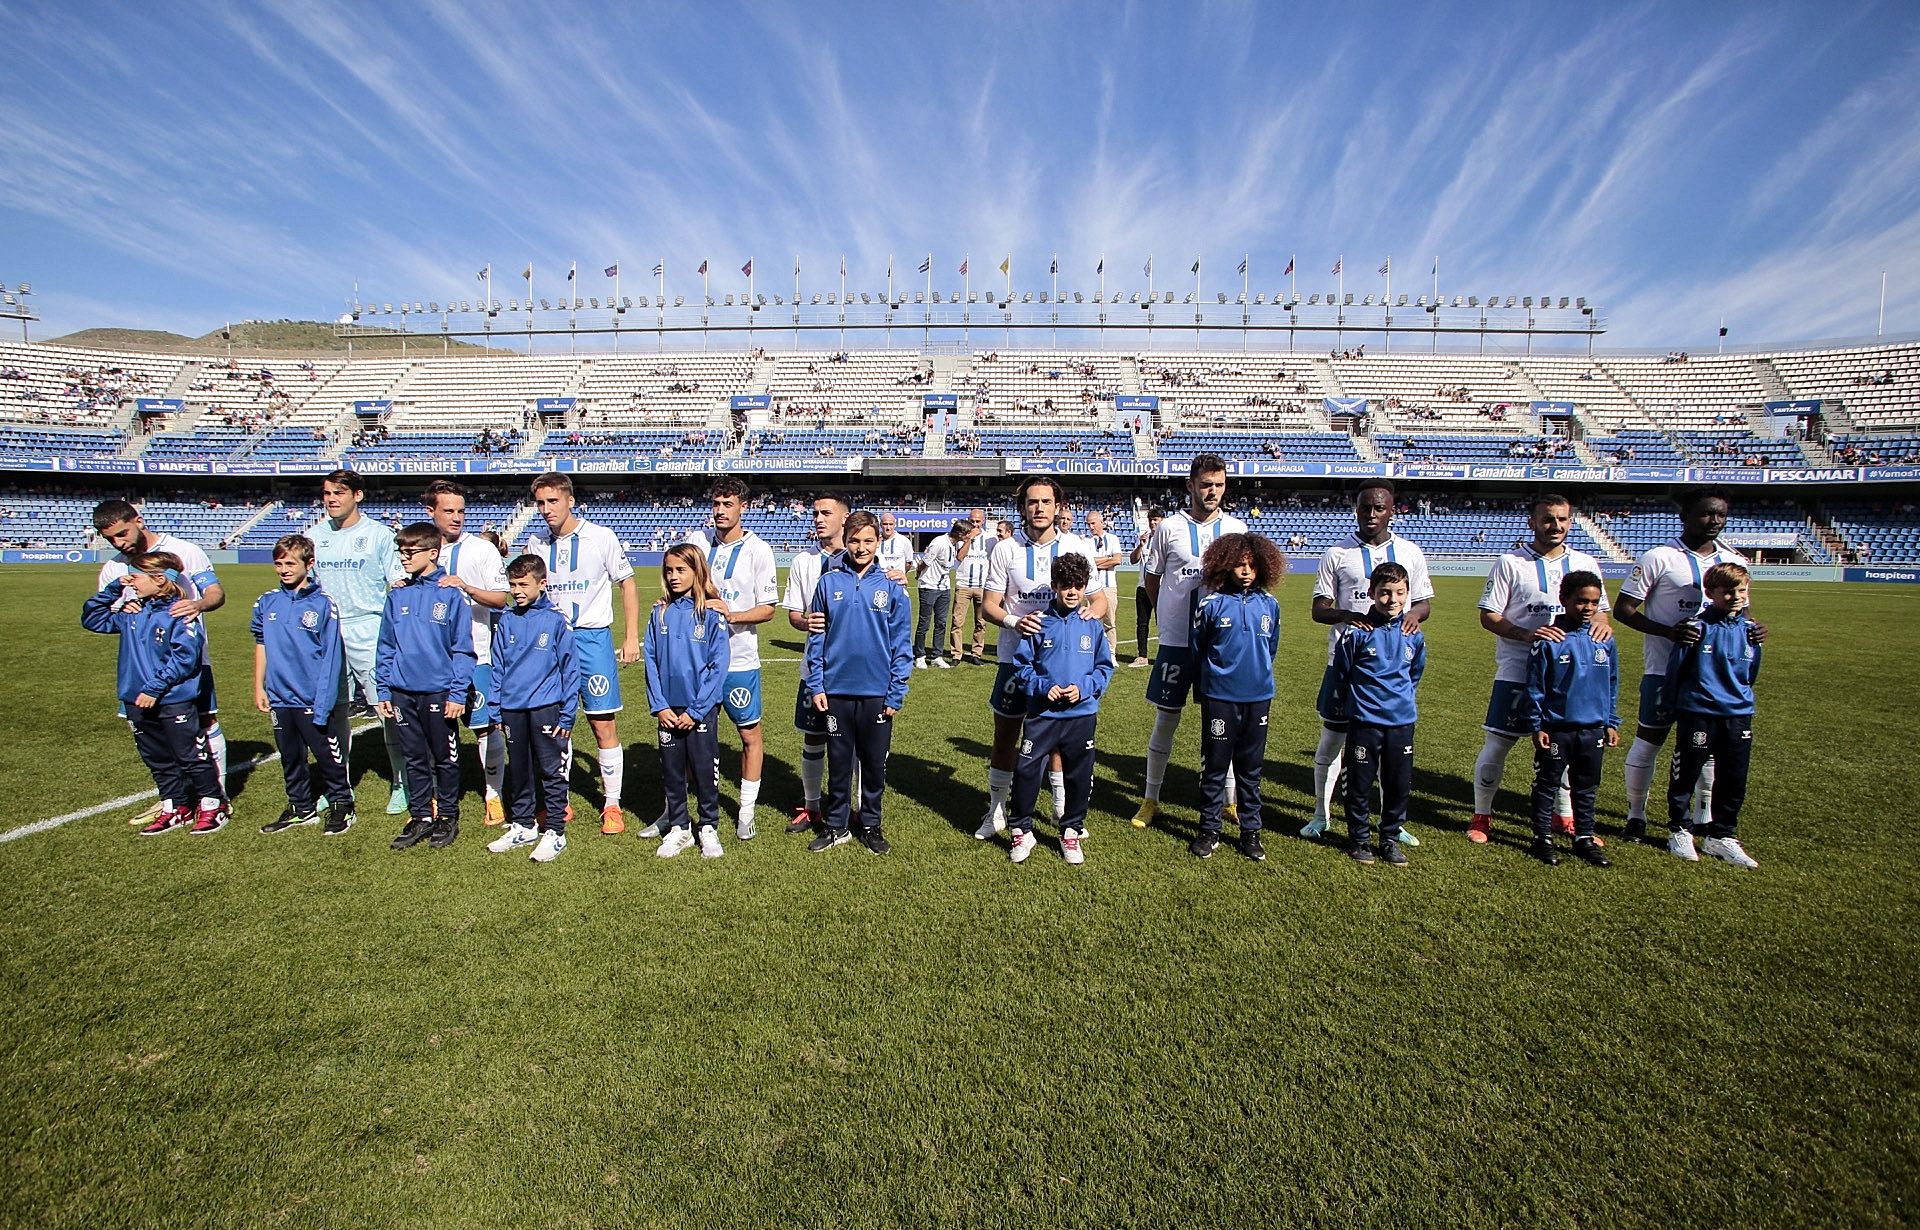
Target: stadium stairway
point(1364, 445)
point(1329, 379)
point(1527, 386)
point(1615, 552)
point(1829, 535)
point(516, 530)
point(1129, 375)
point(1770, 382)
point(1581, 451)
point(240, 531)
point(1630, 399)
point(530, 447)
point(934, 443)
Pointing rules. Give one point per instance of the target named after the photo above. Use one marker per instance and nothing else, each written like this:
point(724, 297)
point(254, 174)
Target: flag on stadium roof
point(703, 269)
point(1338, 263)
point(1386, 266)
point(613, 270)
point(1288, 271)
point(571, 270)
point(1148, 267)
point(1006, 265)
point(1102, 266)
point(482, 275)
point(747, 269)
point(843, 266)
point(1055, 267)
point(926, 266)
point(1196, 266)
point(963, 265)
point(527, 273)
point(1243, 264)
point(796, 265)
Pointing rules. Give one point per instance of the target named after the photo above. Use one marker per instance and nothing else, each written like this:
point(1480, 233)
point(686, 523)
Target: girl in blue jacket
point(686, 677)
point(159, 682)
point(1235, 635)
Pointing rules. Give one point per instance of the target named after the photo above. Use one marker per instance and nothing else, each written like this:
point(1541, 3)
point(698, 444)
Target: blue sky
point(175, 165)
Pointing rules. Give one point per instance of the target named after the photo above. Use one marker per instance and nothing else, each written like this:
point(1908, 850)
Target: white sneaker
point(1070, 847)
point(710, 843)
point(1313, 827)
point(995, 821)
point(516, 836)
point(1728, 850)
point(1023, 845)
point(550, 847)
point(657, 829)
point(919, 664)
point(943, 664)
point(744, 827)
point(677, 841)
point(1680, 845)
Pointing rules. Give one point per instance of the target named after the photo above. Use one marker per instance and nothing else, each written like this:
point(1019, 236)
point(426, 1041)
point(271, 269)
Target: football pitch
point(240, 1030)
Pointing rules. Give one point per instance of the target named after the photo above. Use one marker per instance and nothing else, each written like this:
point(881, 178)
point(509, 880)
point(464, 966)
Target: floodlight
point(595, 302)
point(434, 307)
point(1313, 300)
point(1167, 298)
point(1240, 298)
point(1189, 298)
point(1367, 302)
point(643, 302)
point(973, 296)
point(919, 296)
point(1401, 302)
point(864, 298)
point(1473, 301)
point(1348, 302)
point(1077, 298)
point(679, 301)
point(25, 289)
point(1527, 302)
point(1026, 297)
point(1509, 300)
point(1456, 301)
point(626, 301)
point(1259, 297)
point(387, 307)
point(830, 298)
point(416, 305)
point(546, 305)
point(1563, 301)
point(1581, 302)
point(729, 300)
point(1096, 297)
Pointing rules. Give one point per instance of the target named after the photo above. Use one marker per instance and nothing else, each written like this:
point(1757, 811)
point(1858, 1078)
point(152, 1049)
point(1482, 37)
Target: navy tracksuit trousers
point(1728, 742)
point(1386, 753)
point(1577, 753)
point(431, 745)
point(174, 748)
point(299, 731)
point(537, 765)
point(691, 758)
point(1072, 737)
point(1233, 739)
point(858, 728)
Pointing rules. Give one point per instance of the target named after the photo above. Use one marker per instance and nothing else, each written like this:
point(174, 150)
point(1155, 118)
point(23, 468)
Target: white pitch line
point(233, 771)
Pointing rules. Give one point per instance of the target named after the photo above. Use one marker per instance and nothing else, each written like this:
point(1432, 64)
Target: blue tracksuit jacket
point(534, 663)
point(1714, 676)
point(306, 659)
point(686, 657)
point(867, 649)
point(1574, 683)
point(1069, 649)
point(159, 655)
point(426, 641)
point(1376, 669)
point(1234, 639)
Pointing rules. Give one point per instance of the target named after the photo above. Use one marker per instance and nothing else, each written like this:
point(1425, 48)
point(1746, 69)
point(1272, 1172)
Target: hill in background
point(252, 337)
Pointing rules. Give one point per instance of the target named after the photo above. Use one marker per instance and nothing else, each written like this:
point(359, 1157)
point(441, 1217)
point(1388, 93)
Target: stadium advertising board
point(553, 405)
point(159, 405)
point(940, 401)
point(1136, 401)
point(1890, 474)
point(1829, 474)
point(29, 555)
point(1748, 474)
point(1301, 469)
point(751, 401)
point(1893, 576)
point(1552, 407)
point(371, 409)
point(1743, 540)
point(1793, 409)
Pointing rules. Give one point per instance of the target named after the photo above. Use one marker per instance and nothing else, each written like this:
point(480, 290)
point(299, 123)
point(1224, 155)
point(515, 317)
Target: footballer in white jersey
point(1174, 553)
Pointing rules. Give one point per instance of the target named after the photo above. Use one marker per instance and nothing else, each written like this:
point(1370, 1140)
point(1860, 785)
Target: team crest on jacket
point(1409, 653)
point(1600, 655)
point(1086, 642)
point(541, 640)
point(439, 610)
point(699, 632)
point(309, 619)
point(880, 600)
point(1266, 623)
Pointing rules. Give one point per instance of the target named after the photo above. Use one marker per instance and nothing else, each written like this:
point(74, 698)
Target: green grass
point(243, 1031)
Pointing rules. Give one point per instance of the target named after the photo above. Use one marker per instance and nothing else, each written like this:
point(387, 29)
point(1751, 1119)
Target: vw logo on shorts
point(739, 698)
point(598, 685)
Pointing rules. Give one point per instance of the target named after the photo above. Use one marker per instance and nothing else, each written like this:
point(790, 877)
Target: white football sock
point(217, 747)
point(1326, 771)
point(613, 770)
point(813, 767)
point(749, 795)
point(1641, 758)
point(1160, 749)
point(1233, 790)
point(396, 757)
point(1563, 800)
point(166, 804)
point(1703, 796)
point(1488, 770)
point(208, 804)
point(492, 749)
point(1057, 779)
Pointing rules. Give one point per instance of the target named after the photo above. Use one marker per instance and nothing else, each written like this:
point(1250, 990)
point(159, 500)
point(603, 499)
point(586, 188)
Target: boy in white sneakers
point(536, 682)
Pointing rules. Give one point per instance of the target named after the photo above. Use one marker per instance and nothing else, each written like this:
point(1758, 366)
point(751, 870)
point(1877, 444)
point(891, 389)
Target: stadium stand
point(75, 387)
point(1876, 386)
point(1037, 388)
point(1878, 532)
point(39, 519)
point(59, 442)
point(1183, 446)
